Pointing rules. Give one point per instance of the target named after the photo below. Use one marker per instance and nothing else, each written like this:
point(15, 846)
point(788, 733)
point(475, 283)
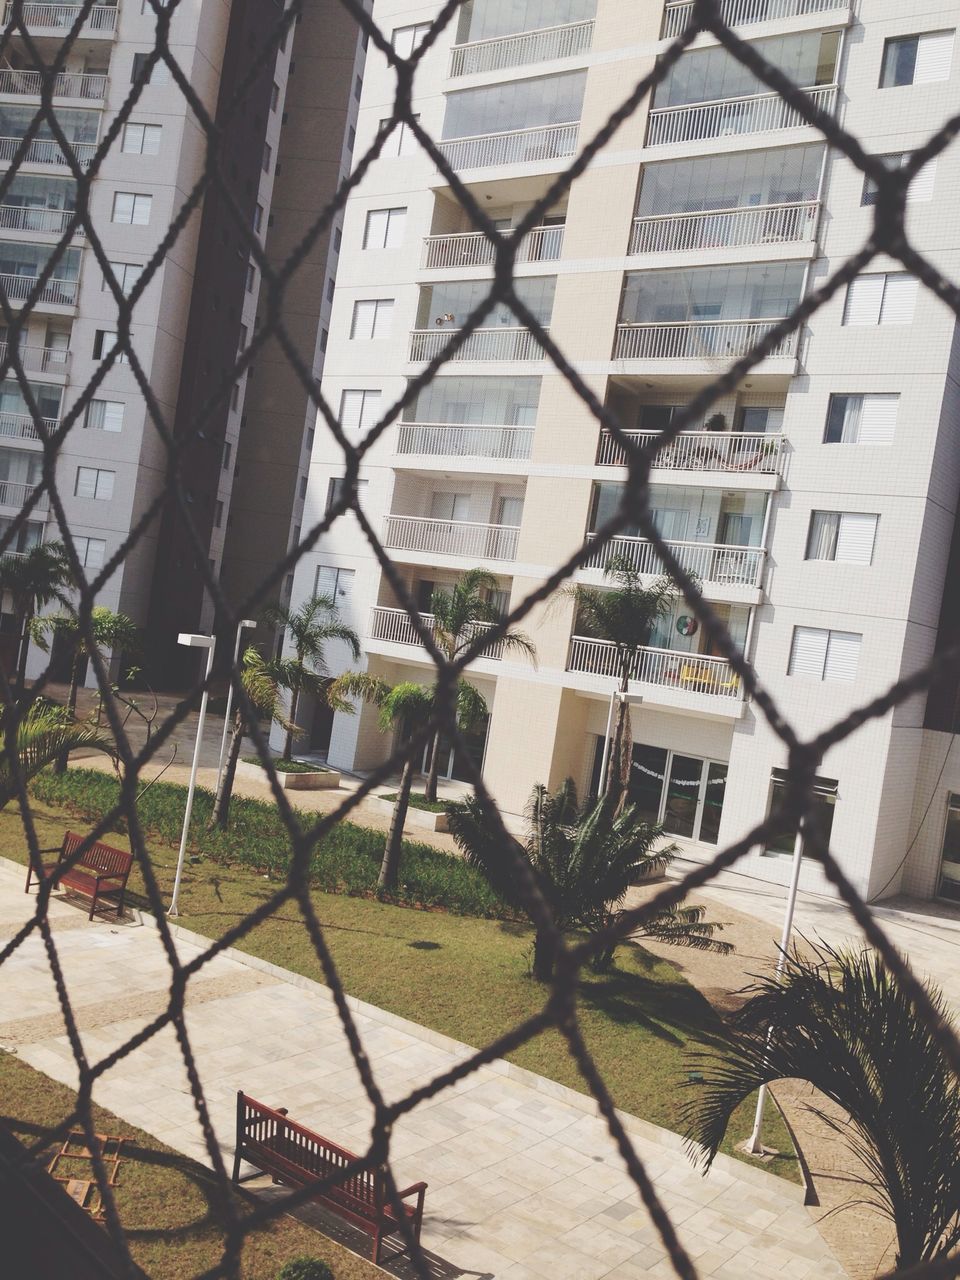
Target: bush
point(305, 1269)
point(419, 801)
point(346, 861)
point(286, 766)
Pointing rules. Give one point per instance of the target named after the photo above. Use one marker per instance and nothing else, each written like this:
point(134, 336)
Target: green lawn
point(167, 1203)
point(464, 976)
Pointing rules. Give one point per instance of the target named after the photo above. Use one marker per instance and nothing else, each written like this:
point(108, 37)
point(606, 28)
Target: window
point(824, 655)
point(217, 514)
point(385, 229)
point(274, 96)
point(267, 156)
point(308, 443)
point(881, 298)
point(242, 338)
point(141, 139)
point(335, 584)
point(821, 806)
point(104, 342)
point(920, 189)
point(372, 318)
point(406, 40)
point(235, 395)
point(861, 419)
point(684, 793)
point(91, 552)
point(104, 415)
point(450, 506)
point(258, 217)
point(131, 208)
point(917, 59)
point(227, 454)
point(845, 536)
point(159, 74)
point(359, 410)
point(93, 483)
point(402, 142)
point(335, 491)
point(251, 277)
point(357, 87)
point(126, 275)
point(949, 886)
point(303, 486)
point(331, 286)
point(324, 338)
point(337, 239)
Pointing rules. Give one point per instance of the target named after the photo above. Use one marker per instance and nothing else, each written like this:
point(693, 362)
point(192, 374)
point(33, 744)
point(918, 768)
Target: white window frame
point(380, 325)
point(407, 40)
point(91, 552)
point(874, 296)
point(146, 137)
point(385, 228)
point(126, 274)
point(920, 190)
point(368, 414)
point(346, 577)
point(110, 413)
point(101, 485)
point(705, 763)
point(402, 142)
point(852, 530)
point(140, 207)
point(825, 646)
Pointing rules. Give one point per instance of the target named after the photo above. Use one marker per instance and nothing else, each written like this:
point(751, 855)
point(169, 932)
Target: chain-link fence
point(83, 162)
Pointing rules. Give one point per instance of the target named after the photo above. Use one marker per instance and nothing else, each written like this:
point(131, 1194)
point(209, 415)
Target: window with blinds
point(385, 228)
point(886, 298)
point(335, 584)
point(920, 189)
point(372, 318)
point(359, 409)
point(824, 655)
point(844, 536)
point(104, 415)
point(920, 59)
point(862, 419)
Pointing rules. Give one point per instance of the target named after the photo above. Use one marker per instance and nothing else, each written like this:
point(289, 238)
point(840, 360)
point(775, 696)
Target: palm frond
point(43, 734)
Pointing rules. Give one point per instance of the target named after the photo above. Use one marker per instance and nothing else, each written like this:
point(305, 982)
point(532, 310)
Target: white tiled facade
point(651, 301)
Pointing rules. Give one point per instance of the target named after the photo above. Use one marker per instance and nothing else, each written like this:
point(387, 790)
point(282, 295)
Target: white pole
point(606, 745)
point(754, 1145)
point(244, 622)
point(172, 909)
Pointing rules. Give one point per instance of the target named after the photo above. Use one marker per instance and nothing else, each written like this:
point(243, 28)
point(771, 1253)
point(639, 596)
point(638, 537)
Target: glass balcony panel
point(711, 75)
point(448, 304)
point(514, 105)
point(740, 13)
point(735, 180)
point(712, 294)
point(487, 19)
point(477, 400)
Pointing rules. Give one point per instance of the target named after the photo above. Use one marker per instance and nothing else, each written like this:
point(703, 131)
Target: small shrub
point(286, 766)
point(305, 1269)
point(419, 801)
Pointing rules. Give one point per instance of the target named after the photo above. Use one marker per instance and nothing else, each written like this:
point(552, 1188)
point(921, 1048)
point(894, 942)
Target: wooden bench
point(100, 872)
point(295, 1157)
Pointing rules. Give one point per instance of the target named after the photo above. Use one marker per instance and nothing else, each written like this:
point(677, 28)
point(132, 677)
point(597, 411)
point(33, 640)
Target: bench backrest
point(291, 1149)
point(99, 857)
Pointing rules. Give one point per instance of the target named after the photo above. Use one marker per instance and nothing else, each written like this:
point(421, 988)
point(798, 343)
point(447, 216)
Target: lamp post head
point(191, 641)
point(246, 623)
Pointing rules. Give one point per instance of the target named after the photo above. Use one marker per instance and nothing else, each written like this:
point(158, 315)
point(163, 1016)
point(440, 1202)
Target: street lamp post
point(244, 624)
point(210, 644)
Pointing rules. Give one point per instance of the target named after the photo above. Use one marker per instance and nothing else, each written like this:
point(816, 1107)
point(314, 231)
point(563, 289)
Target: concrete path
point(524, 1181)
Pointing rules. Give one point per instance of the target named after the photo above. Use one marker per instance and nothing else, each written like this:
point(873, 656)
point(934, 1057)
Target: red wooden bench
point(100, 872)
point(296, 1157)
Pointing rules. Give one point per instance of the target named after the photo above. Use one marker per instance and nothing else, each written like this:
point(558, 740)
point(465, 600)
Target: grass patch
point(286, 766)
point(463, 976)
point(167, 1202)
point(419, 801)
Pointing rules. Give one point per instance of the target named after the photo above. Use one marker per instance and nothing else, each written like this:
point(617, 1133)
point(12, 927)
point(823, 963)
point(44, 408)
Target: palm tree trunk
point(60, 764)
point(390, 867)
point(433, 773)
point(220, 816)
point(22, 653)
point(288, 740)
point(543, 956)
point(615, 782)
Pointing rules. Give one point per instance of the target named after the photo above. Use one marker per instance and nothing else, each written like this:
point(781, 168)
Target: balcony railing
point(501, 343)
point(501, 52)
point(725, 228)
point(668, 668)
point(13, 494)
point(713, 562)
point(448, 440)
point(451, 537)
point(697, 340)
point(758, 113)
point(68, 84)
point(45, 151)
point(473, 249)
point(517, 146)
point(740, 13)
point(20, 426)
point(39, 359)
point(35, 218)
point(61, 17)
point(734, 451)
point(394, 626)
point(19, 288)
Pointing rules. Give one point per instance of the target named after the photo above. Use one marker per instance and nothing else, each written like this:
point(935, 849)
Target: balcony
point(36, 219)
point(756, 113)
point(698, 340)
point(503, 52)
point(16, 289)
point(21, 426)
point(517, 146)
point(503, 343)
point(714, 563)
point(683, 673)
point(740, 13)
point(14, 494)
point(473, 249)
point(395, 627)
point(38, 359)
point(448, 441)
point(725, 228)
point(45, 151)
point(67, 84)
point(45, 19)
point(727, 452)
point(451, 537)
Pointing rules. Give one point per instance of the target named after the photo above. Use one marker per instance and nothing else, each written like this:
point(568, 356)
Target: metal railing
point(45, 151)
point(501, 52)
point(19, 288)
point(451, 440)
point(725, 228)
point(503, 343)
point(61, 17)
point(697, 340)
point(40, 359)
point(732, 451)
point(711, 562)
point(13, 494)
point(24, 217)
point(516, 146)
point(451, 537)
point(756, 113)
point(740, 13)
point(668, 668)
point(21, 426)
point(395, 626)
point(473, 249)
point(68, 84)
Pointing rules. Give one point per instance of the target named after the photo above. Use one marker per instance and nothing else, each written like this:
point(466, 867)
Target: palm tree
point(404, 709)
point(458, 615)
point(583, 863)
point(843, 1023)
point(44, 733)
point(309, 628)
point(625, 614)
point(32, 579)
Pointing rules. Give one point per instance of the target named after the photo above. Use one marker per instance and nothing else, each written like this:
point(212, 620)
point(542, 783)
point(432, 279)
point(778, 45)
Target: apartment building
point(816, 503)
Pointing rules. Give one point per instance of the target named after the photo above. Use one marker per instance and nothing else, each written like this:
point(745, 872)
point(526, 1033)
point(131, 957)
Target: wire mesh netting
point(48, 131)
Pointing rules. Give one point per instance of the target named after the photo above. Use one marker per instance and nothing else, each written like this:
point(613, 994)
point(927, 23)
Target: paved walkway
point(524, 1181)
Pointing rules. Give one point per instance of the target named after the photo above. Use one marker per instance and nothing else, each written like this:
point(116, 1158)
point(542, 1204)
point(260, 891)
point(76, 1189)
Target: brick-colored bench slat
point(297, 1157)
point(100, 871)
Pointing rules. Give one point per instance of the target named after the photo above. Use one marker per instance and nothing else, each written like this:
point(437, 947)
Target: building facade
point(817, 502)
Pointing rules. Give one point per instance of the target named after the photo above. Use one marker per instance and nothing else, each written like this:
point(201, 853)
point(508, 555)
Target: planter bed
point(422, 818)
point(316, 780)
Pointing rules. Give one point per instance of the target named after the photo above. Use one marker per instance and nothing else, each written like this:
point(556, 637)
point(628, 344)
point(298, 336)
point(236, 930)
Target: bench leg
point(93, 905)
point(376, 1247)
point(235, 1178)
point(120, 902)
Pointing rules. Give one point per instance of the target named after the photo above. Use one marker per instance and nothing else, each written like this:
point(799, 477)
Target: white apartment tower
point(817, 509)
